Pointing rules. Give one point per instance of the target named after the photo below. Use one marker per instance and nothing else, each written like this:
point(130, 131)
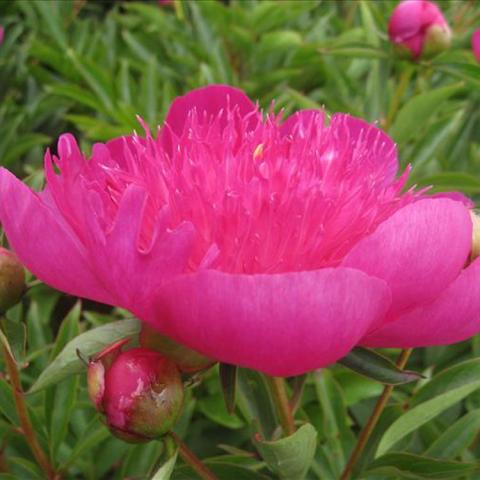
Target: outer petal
point(452, 317)
point(368, 144)
point(303, 118)
point(44, 243)
point(418, 251)
point(134, 273)
point(283, 324)
point(211, 100)
point(406, 20)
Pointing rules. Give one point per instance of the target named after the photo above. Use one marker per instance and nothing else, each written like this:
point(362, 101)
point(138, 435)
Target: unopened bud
point(475, 252)
point(140, 393)
point(417, 28)
point(476, 44)
point(186, 359)
point(12, 280)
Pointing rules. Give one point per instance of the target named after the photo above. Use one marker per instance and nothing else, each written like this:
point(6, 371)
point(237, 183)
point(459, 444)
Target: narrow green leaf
point(449, 379)
point(213, 407)
point(255, 403)
point(407, 465)
point(290, 457)
point(67, 362)
point(448, 181)
point(166, 470)
point(228, 380)
point(377, 367)
point(457, 437)
point(421, 414)
point(418, 110)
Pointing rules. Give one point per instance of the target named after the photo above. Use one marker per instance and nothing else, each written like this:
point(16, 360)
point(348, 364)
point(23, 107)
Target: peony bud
point(2, 33)
point(139, 391)
point(187, 360)
point(476, 44)
point(12, 280)
point(418, 29)
point(475, 252)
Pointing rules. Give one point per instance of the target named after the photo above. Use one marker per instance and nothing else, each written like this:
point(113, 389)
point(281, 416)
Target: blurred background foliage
point(90, 67)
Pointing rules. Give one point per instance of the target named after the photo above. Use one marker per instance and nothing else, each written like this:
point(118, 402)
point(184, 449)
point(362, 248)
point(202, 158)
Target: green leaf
point(423, 413)
point(418, 110)
point(377, 367)
point(353, 51)
point(448, 181)
point(464, 71)
point(214, 408)
point(457, 437)
point(228, 380)
point(255, 403)
point(222, 470)
point(67, 362)
point(166, 470)
point(449, 379)
point(407, 465)
point(88, 442)
point(16, 333)
point(290, 457)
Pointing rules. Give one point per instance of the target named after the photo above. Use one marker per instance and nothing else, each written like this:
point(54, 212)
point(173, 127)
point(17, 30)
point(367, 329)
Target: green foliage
point(90, 68)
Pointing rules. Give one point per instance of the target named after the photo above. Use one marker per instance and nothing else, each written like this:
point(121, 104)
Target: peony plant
point(242, 235)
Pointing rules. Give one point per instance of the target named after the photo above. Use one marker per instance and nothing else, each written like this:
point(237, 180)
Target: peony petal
point(452, 317)
point(211, 100)
point(418, 251)
point(368, 144)
point(456, 196)
point(132, 272)
point(47, 247)
point(283, 324)
point(406, 21)
point(302, 118)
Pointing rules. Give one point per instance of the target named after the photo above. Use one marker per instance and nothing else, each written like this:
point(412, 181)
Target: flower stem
point(280, 399)
point(25, 423)
point(372, 421)
point(397, 96)
point(189, 457)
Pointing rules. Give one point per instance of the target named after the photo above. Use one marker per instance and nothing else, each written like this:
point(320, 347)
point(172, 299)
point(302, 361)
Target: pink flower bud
point(187, 360)
point(476, 44)
point(139, 391)
point(2, 33)
point(418, 28)
point(12, 279)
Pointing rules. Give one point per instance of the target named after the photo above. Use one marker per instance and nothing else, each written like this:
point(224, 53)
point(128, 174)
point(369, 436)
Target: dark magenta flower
point(275, 245)
point(419, 28)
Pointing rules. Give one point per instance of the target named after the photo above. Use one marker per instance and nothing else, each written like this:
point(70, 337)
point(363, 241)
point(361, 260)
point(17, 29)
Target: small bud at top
point(187, 360)
point(418, 29)
point(476, 44)
point(12, 280)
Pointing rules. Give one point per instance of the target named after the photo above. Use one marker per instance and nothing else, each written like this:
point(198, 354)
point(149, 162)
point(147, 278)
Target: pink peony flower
point(476, 44)
point(419, 27)
point(2, 34)
point(273, 245)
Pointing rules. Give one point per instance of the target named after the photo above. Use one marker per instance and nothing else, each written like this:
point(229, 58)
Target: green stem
point(280, 399)
point(372, 421)
point(189, 457)
point(398, 95)
point(25, 423)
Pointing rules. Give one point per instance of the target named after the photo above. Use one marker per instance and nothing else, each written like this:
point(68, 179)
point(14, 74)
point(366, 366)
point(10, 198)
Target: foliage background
point(89, 67)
